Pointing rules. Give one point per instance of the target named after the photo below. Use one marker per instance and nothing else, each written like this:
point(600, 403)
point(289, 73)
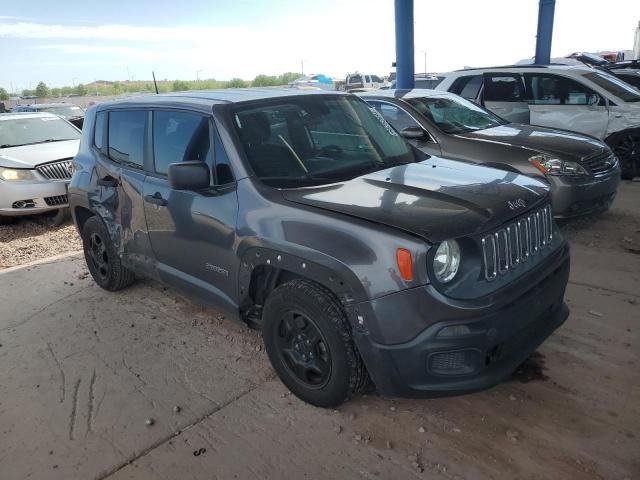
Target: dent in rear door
point(119, 182)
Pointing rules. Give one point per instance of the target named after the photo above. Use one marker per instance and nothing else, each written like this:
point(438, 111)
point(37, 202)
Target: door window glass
point(126, 137)
point(355, 79)
point(398, 118)
point(177, 137)
point(504, 88)
point(547, 89)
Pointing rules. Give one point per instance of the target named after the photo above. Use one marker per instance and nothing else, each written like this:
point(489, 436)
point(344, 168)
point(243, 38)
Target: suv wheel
point(308, 339)
point(626, 146)
point(101, 257)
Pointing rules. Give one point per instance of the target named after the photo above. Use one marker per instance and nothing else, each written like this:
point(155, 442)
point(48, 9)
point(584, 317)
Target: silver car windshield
point(615, 86)
point(66, 111)
point(318, 139)
point(455, 115)
point(16, 132)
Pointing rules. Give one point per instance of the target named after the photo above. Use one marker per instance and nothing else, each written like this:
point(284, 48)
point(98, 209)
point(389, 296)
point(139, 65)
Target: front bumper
point(574, 196)
point(38, 197)
point(482, 347)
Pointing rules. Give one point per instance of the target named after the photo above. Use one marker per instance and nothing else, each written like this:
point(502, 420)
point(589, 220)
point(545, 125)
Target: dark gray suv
point(306, 215)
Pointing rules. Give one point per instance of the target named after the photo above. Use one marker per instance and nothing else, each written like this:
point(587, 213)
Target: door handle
point(156, 199)
point(107, 181)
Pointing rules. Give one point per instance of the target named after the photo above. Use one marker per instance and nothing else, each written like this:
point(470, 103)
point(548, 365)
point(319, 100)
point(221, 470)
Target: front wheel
point(308, 339)
point(626, 146)
point(101, 257)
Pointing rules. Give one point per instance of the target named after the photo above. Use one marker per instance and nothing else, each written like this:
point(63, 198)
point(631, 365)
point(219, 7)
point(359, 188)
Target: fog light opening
point(23, 204)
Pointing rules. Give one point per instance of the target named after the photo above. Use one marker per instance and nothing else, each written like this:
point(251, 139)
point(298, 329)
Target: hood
point(545, 140)
point(28, 156)
point(436, 199)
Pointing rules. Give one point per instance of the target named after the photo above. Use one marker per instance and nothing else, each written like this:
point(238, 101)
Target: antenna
point(155, 84)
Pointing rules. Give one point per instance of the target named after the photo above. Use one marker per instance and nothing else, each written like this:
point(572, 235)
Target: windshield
point(318, 139)
point(65, 111)
point(26, 131)
point(615, 86)
point(455, 115)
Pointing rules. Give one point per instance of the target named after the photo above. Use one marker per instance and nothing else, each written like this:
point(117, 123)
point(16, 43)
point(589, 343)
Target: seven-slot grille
point(516, 243)
point(60, 170)
point(600, 163)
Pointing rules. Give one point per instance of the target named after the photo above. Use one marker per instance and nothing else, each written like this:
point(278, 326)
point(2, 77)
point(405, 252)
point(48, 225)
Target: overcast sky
point(78, 41)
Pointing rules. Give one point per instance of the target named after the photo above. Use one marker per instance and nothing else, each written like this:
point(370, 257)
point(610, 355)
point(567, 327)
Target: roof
point(47, 105)
point(554, 66)
point(401, 94)
point(228, 95)
point(14, 115)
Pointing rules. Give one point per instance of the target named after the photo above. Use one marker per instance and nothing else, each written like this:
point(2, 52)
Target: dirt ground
point(142, 384)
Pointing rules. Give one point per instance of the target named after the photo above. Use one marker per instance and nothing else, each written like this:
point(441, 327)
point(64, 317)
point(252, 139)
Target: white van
point(576, 98)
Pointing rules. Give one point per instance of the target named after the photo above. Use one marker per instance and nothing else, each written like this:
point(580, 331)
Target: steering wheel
point(330, 151)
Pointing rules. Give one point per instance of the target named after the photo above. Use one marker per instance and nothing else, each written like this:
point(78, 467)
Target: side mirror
point(414, 133)
point(593, 99)
point(191, 175)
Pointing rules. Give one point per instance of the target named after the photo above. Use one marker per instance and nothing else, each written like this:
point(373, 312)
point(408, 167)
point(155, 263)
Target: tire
point(6, 220)
point(303, 318)
point(626, 146)
point(102, 259)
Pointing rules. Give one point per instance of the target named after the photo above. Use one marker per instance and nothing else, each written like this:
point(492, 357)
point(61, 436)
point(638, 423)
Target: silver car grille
point(60, 170)
point(517, 242)
point(600, 163)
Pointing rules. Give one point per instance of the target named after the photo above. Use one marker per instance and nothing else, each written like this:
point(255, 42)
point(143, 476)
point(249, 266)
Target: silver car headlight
point(446, 261)
point(16, 175)
point(555, 166)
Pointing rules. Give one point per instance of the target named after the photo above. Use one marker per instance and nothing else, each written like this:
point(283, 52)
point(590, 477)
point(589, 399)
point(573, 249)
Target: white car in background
point(577, 98)
point(36, 154)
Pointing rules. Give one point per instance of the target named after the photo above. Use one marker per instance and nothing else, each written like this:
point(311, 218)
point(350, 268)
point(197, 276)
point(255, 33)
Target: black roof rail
point(526, 65)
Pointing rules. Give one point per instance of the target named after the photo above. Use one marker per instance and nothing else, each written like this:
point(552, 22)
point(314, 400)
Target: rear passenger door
point(561, 102)
point(119, 139)
point(505, 95)
point(192, 233)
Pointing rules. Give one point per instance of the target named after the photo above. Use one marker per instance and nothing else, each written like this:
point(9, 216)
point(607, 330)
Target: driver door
point(561, 102)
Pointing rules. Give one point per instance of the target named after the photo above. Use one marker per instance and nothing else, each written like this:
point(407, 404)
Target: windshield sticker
point(384, 123)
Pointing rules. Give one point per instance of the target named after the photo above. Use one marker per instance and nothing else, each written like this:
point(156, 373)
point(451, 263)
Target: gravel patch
point(33, 238)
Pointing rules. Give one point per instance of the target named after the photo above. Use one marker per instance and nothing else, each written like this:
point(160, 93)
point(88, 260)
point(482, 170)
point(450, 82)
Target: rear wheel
point(308, 339)
point(626, 146)
point(101, 257)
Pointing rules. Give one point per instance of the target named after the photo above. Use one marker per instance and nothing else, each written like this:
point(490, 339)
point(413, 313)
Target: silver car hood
point(28, 156)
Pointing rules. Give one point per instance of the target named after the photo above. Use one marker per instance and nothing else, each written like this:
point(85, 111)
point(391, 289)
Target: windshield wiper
point(302, 180)
point(49, 140)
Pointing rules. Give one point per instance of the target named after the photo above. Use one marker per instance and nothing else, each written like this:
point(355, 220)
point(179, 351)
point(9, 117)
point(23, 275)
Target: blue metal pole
point(546, 12)
point(404, 44)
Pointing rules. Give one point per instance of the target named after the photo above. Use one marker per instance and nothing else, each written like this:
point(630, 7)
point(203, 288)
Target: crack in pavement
point(61, 370)
point(163, 440)
point(620, 292)
point(22, 322)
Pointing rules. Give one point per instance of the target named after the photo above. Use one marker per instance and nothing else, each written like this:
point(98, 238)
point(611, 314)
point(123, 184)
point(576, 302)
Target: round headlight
point(446, 261)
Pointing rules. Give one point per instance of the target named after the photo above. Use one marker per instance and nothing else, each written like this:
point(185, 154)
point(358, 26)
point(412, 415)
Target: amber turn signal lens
point(539, 166)
point(405, 265)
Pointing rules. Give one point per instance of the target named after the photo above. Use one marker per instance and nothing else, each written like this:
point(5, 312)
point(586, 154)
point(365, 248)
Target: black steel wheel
point(102, 259)
point(308, 339)
point(626, 146)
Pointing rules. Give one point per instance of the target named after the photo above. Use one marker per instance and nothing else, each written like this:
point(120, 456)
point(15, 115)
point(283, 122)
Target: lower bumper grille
point(56, 200)
point(601, 163)
point(520, 240)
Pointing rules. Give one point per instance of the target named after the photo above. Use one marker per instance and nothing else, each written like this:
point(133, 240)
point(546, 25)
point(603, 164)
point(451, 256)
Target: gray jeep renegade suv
point(306, 215)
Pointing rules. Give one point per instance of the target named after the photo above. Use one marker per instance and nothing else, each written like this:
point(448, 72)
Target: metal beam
point(404, 44)
point(546, 12)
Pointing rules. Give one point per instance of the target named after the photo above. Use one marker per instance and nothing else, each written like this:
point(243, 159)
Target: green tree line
point(164, 86)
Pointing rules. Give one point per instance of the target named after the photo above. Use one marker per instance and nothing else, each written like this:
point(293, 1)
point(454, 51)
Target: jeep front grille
point(600, 163)
point(517, 242)
point(60, 170)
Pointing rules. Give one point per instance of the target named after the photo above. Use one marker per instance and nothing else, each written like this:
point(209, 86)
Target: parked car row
point(317, 216)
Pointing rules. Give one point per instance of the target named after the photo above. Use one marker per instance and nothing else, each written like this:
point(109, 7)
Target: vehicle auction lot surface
point(81, 370)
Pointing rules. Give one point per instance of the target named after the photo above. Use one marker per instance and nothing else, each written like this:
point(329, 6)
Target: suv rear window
point(504, 88)
point(467, 87)
point(428, 82)
point(126, 137)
